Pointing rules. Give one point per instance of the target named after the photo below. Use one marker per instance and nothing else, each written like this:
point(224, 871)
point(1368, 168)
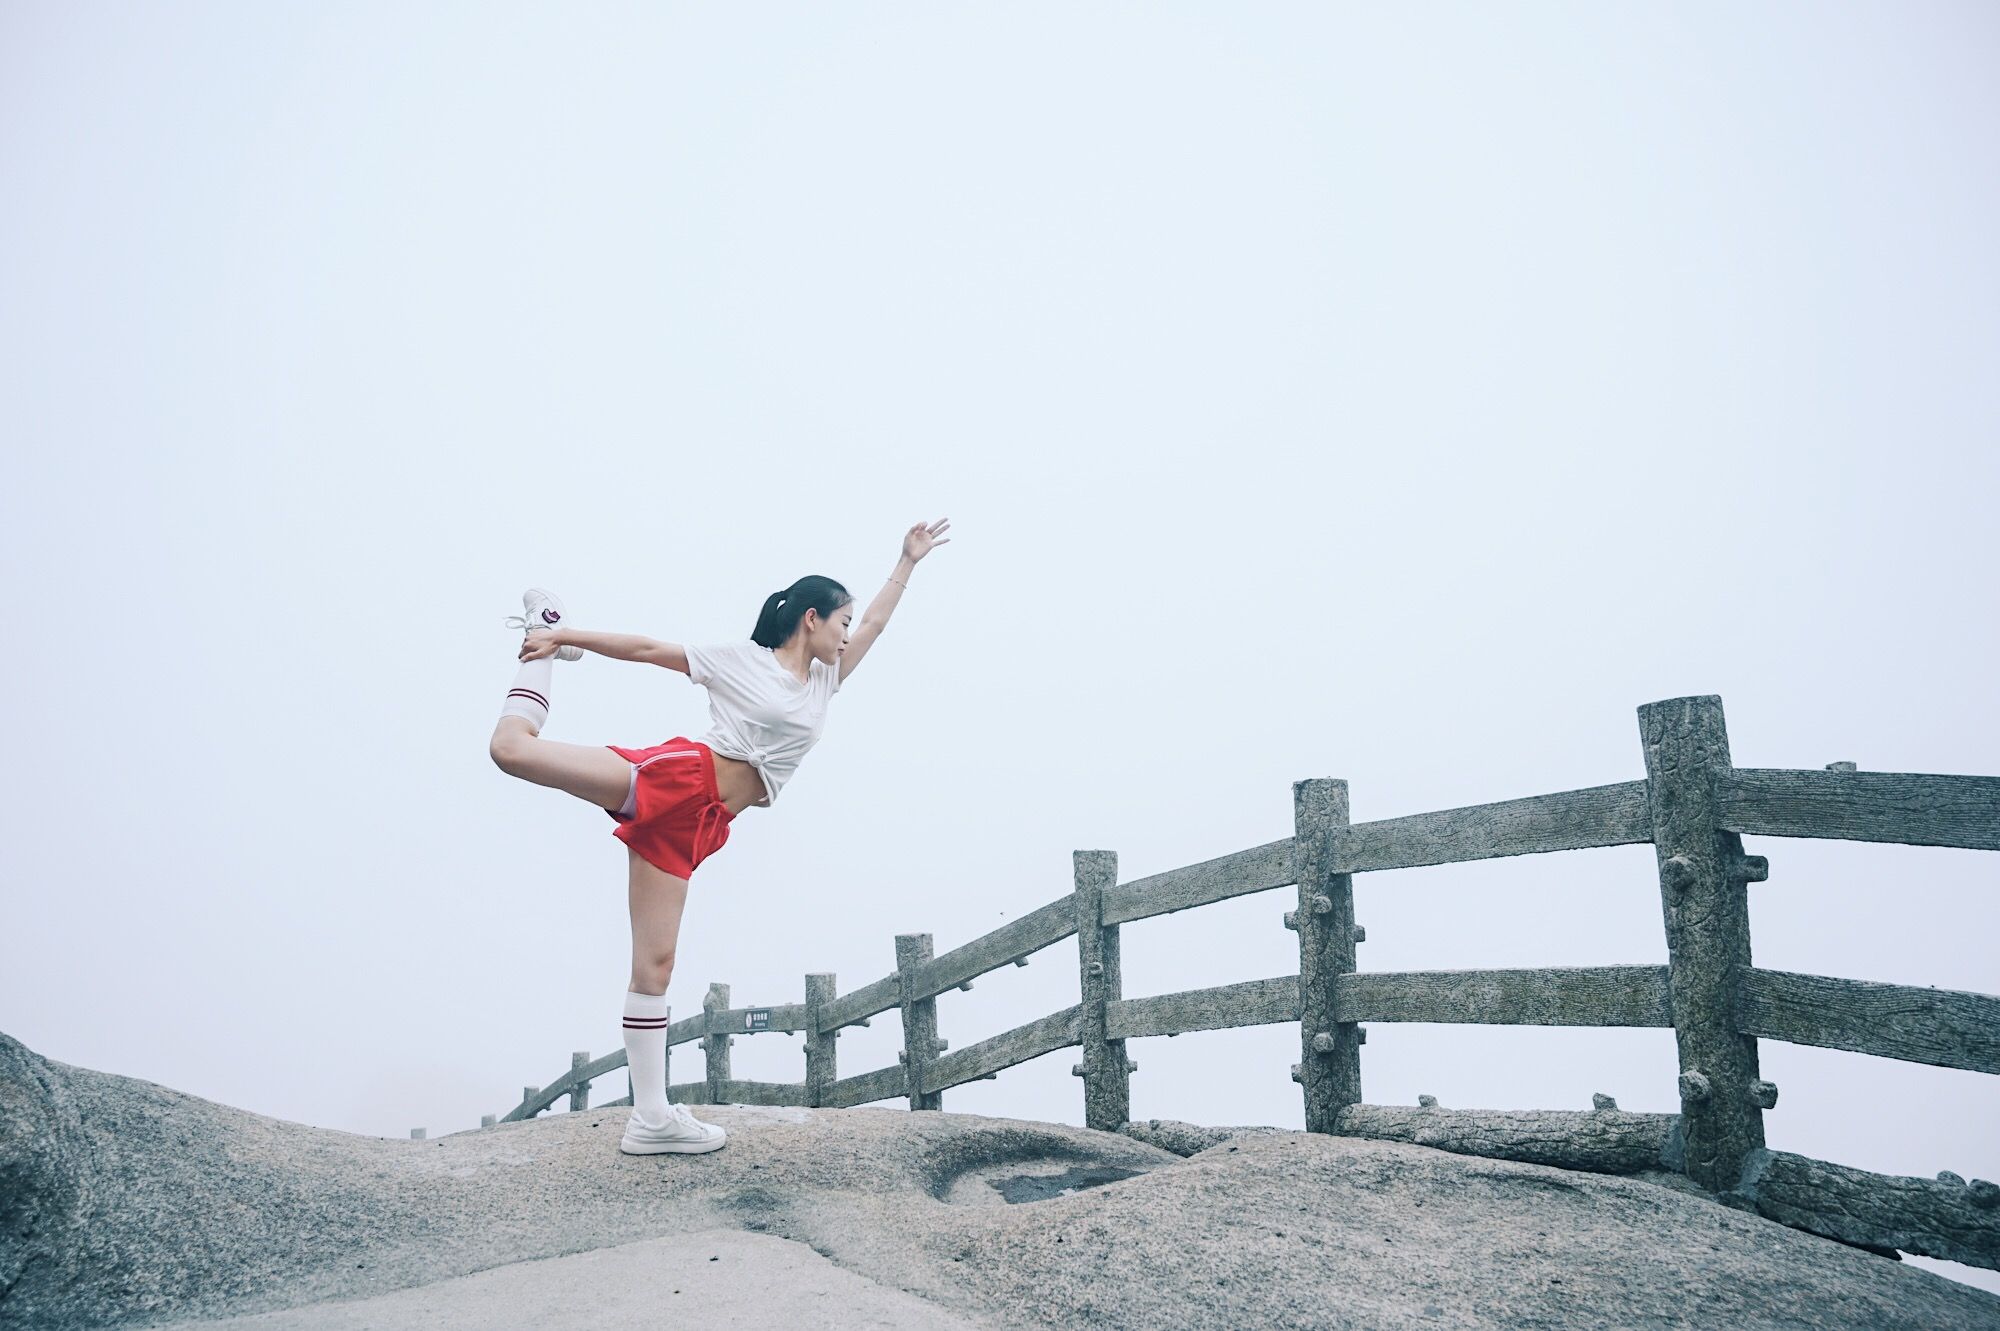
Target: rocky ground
point(125, 1203)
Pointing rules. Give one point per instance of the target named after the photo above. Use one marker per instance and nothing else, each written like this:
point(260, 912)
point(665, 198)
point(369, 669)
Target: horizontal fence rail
point(1251, 1003)
point(1947, 1028)
point(1009, 944)
point(1552, 996)
point(1574, 820)
point(1908, 808)
point(1694, 808)
point(1258, 869)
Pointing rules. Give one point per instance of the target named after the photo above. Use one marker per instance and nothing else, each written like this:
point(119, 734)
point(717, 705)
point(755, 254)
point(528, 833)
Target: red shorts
point(679, 820)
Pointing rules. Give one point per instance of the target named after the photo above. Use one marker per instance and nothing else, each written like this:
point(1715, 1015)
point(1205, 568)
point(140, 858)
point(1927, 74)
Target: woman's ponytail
point(783, 609)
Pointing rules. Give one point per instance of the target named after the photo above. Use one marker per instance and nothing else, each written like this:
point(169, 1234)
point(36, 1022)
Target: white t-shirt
point(762, 714)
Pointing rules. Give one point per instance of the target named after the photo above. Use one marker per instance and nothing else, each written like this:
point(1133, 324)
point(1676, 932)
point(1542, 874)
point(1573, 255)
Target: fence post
point(1330, 1059)
point(1707, 910)
point(666, 1064)
point(1107, 1076)
point(920, 1042)
point(715, 1045)
point(820, 1061)
point(579, 1096)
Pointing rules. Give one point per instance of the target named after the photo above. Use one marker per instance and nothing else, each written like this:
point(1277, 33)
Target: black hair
point(784, 609)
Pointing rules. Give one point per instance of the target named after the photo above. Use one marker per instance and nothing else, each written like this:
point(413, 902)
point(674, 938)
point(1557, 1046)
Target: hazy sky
point(1397, 394)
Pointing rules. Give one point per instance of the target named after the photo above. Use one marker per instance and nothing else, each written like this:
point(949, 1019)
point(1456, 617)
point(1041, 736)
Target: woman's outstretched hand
point(539, 643)
point(921, 539)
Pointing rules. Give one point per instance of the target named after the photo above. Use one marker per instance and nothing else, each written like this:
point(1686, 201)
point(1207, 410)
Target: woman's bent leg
point(585, 771)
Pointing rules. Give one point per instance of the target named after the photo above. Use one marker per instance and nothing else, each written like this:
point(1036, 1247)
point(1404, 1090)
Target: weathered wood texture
point(666, 1059)
point(1948, 1028)
point(865, 1002)
point(1945, 1217)
point(1107, 1078)
point(1610, 995)
point(1613, 815)
point(1251, 1003)
point(821, 1058)
point(1551, 996)
point(1031, 933)
point(1566, 996)
point(784, 1017)
point(734, 1093)
point(715, 1047)
point(1603, 1141)
point(588, 1072)
point(1708, 935)
point(920, 1037)
point(1330, 1061)
point(758, 1093)
point(1910, 808)
point(533, 1101)
point(579, 1074)
point(579, 1096)
point(1255, 870)
point(1032, 1039)
point(868, 1087)
point(687, 1029)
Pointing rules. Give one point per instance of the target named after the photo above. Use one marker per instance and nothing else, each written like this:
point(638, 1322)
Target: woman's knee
point(508, 749)
point(652, 973)
point(653, 960)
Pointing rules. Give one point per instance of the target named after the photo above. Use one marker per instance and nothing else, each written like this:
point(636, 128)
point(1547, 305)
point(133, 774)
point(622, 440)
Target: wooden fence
point(1694, 806)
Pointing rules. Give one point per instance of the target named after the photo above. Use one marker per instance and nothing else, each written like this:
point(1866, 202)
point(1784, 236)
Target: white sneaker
point(544, 611)
point(682, 1132)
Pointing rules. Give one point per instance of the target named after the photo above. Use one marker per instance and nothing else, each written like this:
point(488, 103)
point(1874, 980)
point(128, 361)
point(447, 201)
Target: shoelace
point(679, 1114)
point(527, 625)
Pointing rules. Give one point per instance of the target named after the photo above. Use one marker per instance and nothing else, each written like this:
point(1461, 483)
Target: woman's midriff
point(738, 784)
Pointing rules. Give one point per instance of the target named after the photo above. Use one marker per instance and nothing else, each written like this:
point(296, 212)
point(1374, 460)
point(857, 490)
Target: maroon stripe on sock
point(528, 693)
point(644, 1023)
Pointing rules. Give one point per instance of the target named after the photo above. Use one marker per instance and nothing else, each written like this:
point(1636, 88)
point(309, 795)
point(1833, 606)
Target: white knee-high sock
point(646, 1055)
point(530, 695)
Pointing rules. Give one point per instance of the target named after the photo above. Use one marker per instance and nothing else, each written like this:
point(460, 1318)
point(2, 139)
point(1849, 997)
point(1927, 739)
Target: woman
point(673, 802)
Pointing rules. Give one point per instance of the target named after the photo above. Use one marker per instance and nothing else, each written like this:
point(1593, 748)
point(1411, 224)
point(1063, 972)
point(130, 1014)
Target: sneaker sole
point(630, 1147)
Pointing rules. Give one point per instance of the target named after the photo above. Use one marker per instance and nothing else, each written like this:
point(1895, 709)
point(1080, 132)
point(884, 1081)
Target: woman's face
point(827, 638)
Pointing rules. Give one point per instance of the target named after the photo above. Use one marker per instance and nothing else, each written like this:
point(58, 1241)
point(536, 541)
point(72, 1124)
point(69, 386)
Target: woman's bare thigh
point(586, 771)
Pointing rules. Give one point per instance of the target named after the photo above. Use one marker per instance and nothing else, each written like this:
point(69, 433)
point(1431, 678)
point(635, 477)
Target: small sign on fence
point(757, 1019)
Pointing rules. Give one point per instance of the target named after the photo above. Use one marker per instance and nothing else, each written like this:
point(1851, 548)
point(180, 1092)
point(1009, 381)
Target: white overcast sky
point(1397, 394)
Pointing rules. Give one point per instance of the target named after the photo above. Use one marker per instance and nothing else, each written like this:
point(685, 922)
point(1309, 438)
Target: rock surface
point(696, 1279)
point(126, 1203)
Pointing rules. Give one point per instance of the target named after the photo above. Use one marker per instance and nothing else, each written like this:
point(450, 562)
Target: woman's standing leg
point(657, 900)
